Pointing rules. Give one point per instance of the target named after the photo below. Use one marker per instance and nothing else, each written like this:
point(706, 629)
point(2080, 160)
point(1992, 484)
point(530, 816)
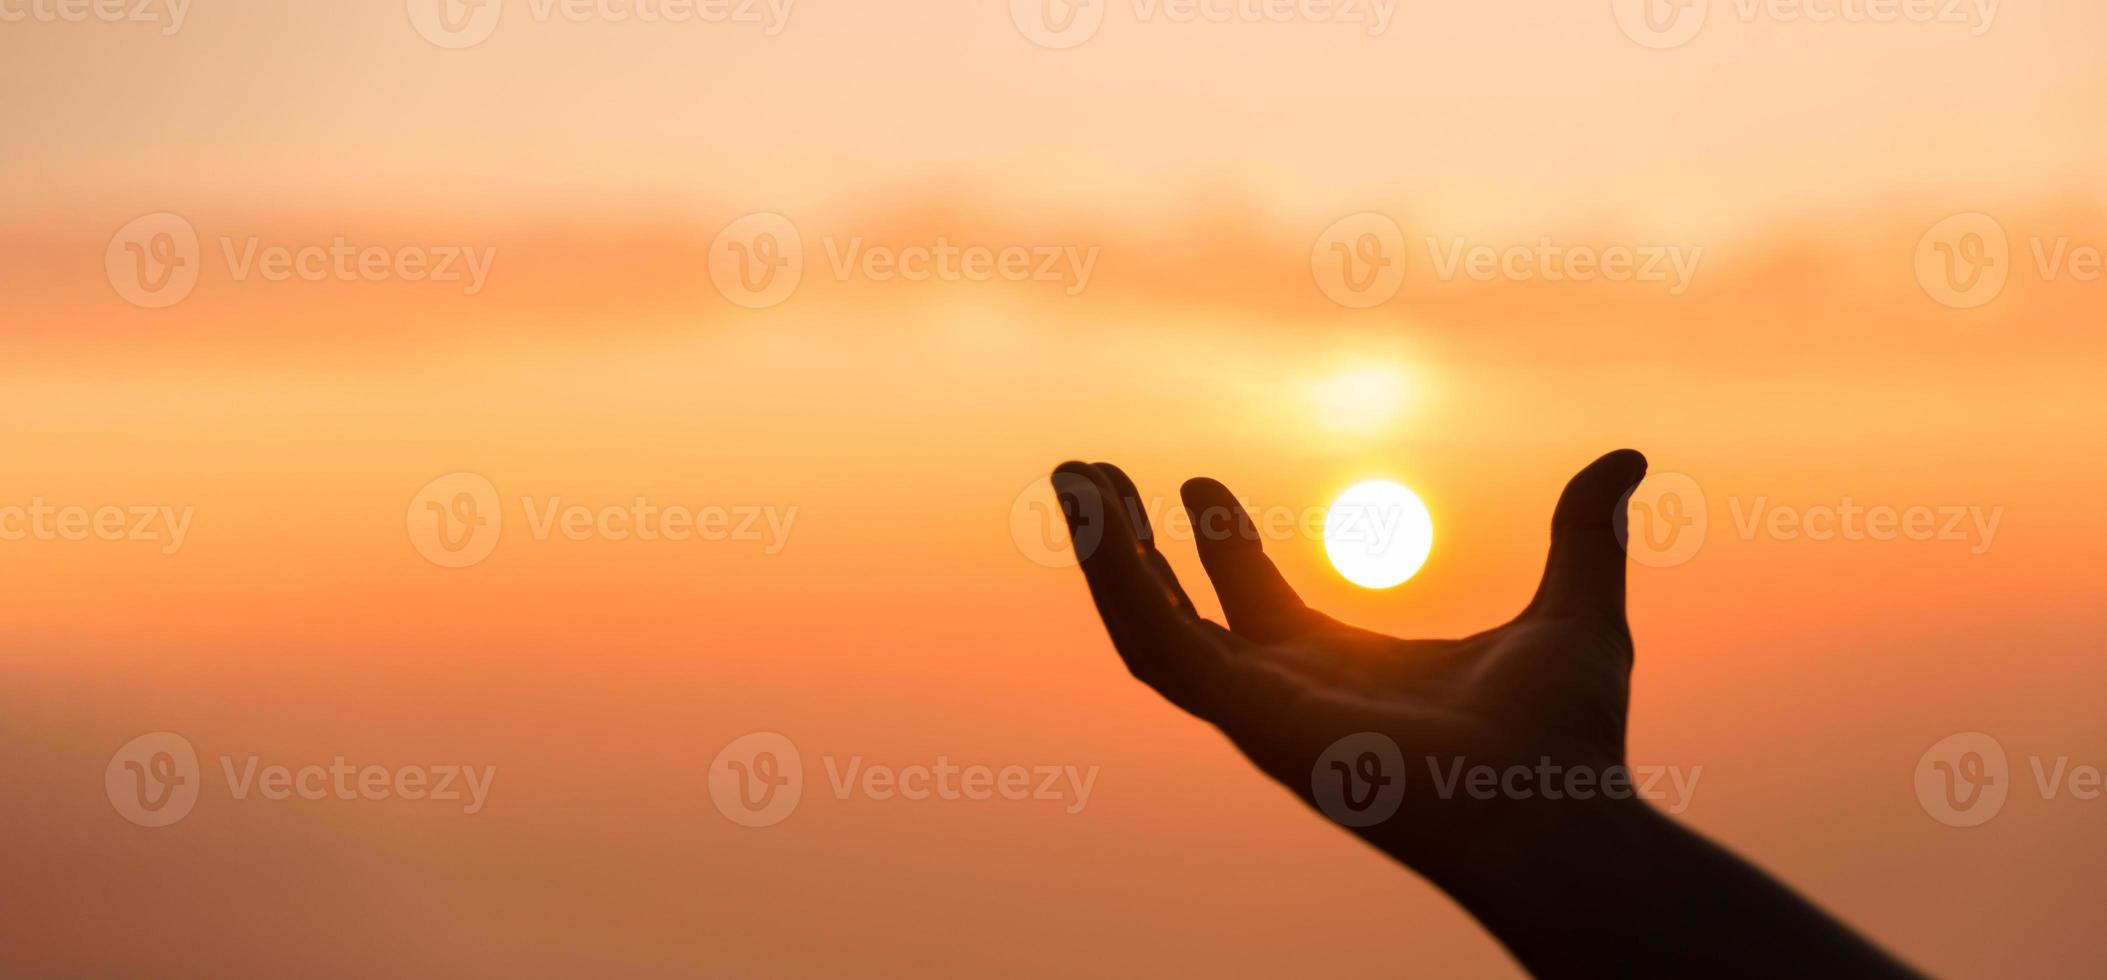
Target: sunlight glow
point(1378, 534)
point(1362, 399)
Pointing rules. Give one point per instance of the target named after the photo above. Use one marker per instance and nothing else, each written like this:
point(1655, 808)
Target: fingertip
point(1070, 481)
point(1215, 513)
point(1585, 570)
point(1077, 492)
point(1204, 491)
point(1629, 465)
point(1259, 603)
point(1601, 485)
point(1079, 474)
point(1129, 495)
point(1074, 467)
point(1117, 481)
point(1074, 477)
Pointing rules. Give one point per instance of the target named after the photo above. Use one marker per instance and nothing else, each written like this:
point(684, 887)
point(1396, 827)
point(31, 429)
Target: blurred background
point(293, 286)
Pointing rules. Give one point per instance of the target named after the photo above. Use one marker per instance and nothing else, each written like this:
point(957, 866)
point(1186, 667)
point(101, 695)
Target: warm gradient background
point(903, 621)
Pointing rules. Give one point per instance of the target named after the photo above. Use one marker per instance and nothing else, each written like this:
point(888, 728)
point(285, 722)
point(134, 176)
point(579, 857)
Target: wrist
point(1539, 840)
point(1559, 882)
point(1613, 887)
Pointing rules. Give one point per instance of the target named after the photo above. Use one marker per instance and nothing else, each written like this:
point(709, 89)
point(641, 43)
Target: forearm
point(1615, 888)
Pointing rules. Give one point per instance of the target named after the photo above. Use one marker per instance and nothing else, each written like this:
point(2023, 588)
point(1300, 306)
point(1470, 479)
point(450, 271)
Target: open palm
point(1380, 733)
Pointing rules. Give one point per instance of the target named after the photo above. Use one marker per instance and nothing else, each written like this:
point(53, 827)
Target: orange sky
point(901, 616)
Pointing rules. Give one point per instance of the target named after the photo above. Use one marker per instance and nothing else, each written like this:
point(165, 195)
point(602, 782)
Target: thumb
point(1585, 573)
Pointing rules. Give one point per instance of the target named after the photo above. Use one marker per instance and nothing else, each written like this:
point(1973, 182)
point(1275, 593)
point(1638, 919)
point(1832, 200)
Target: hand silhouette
point(1285, 682)
point(1572, 872)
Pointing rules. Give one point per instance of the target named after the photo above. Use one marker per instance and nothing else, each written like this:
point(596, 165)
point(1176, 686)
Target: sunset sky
point(900, 597)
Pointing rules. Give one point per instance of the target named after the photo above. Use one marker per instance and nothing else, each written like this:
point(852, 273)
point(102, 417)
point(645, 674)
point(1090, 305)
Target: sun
point(1378, 534)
